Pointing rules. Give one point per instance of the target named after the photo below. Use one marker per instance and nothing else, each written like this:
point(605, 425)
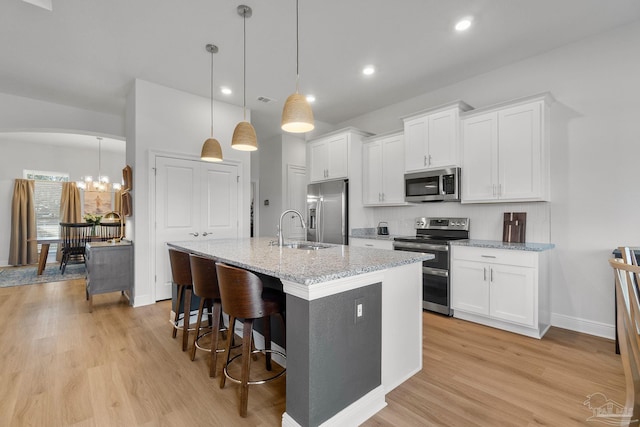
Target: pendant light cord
point(244, 66)
point(212, 93)
point(99, 159)
point(297, 49)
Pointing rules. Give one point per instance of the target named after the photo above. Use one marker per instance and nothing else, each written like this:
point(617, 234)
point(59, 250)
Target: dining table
point(44, 250)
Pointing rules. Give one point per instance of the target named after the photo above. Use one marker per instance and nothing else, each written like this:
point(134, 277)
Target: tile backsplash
point(485, 219)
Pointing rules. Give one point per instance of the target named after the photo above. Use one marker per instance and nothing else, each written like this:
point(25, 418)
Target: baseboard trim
point(585, 326)
point(353, 415)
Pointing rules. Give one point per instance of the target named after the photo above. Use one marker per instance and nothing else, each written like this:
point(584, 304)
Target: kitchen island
point(339, 365)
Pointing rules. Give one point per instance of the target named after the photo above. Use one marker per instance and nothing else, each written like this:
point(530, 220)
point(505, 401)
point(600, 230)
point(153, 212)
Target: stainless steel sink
point(308, 246)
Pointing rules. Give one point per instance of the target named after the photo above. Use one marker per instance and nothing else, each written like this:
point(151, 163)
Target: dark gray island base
point(339, 365)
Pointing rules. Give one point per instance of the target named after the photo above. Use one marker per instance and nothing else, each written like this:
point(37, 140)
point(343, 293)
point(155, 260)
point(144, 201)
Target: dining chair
point(109, 230)
point(628, 322)
point(74, 238)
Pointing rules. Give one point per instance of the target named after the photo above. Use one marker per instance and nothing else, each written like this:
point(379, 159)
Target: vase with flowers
point(93, 220)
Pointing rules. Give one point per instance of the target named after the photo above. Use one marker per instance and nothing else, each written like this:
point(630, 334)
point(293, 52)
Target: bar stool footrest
point(208, 350)
point(255, 382)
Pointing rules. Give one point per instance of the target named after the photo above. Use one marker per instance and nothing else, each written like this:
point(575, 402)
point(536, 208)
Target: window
point(48, 190)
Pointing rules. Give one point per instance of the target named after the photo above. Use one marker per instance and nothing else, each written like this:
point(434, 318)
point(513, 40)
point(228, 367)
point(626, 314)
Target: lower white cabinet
point(503, 288)
point(371, 243)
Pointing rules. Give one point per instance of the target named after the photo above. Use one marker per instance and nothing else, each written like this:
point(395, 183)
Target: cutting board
point(515, 227)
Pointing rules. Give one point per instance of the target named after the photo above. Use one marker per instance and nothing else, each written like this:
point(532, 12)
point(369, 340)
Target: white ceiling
point(86, 53)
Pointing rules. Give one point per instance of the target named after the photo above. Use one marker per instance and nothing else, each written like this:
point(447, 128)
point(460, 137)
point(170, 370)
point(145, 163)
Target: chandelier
point(102, 182)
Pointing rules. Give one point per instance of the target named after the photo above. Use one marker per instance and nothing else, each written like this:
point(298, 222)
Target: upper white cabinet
point(329, 156)
point(432, 137)
point(505, 152)
point(383, 170)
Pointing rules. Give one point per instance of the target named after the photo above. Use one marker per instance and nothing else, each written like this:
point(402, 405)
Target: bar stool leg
point(186, 316)
point(179, 289)
point(247, 335)
point(230, 335)
point(266, 321)
point(198, 324)
point(215, 331)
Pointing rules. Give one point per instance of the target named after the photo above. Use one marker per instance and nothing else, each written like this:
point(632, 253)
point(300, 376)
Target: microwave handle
point(441, 184)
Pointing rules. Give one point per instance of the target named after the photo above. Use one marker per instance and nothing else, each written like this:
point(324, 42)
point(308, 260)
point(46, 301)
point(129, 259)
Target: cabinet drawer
point(371, 243)
point(495, 256)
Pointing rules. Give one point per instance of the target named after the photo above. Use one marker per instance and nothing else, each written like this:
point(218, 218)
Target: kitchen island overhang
point(339, 365)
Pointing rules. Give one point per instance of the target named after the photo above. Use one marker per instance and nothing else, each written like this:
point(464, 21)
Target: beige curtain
point(23, 224)
point(70, 207)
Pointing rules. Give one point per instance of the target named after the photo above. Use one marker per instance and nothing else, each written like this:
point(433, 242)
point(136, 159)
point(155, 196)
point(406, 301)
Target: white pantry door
point(194, 200)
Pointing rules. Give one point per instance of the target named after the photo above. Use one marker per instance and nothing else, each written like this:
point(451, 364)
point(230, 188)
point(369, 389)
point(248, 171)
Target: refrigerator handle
point(320, 221)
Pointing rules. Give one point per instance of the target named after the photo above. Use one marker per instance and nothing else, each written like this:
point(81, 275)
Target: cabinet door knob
point(196, 234)
point(206, 234)
point(425, 160)
point(484, 273)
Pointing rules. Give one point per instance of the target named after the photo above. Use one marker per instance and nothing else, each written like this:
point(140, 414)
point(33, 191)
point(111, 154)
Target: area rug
point(17, 276)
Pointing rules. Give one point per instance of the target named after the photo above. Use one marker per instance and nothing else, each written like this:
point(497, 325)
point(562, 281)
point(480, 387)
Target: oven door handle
point(426, 246)
point(435, 272)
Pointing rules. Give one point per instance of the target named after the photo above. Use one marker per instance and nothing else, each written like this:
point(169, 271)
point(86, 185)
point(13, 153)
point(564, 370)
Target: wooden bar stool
point(244, 297)
point(181, 276)
point(205, 285)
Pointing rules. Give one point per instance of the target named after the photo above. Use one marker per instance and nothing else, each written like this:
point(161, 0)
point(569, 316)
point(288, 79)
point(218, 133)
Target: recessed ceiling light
point(368, 70)
point(311, 98)
point(226, 90)
point(463, 24)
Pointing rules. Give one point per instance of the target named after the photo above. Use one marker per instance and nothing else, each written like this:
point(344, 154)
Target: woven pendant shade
point(211, 151)
point(297, 116)
point(244, 137)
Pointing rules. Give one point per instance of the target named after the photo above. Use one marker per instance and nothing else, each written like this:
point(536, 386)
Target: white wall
point(270, 160)
point(161, 119)
point(19, 113)
point(25, 114)
point(595, 152)
point(18, 156)
point(274, 155)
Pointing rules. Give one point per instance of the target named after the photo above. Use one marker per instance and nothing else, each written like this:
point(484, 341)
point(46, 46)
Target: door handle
point(196, 234)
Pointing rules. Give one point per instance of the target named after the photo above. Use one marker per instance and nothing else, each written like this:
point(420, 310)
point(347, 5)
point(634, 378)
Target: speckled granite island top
point(496, 244)
point(306, 267)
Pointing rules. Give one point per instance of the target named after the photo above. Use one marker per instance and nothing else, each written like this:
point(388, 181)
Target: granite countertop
point(374, 237)
point(369, 233)
point(306, 267)
point(497, 244)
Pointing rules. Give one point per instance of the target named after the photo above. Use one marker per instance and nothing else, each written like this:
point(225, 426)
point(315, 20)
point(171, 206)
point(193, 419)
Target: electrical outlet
point(359, 310)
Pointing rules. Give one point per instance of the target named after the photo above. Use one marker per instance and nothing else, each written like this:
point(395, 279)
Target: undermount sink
point(309, 246)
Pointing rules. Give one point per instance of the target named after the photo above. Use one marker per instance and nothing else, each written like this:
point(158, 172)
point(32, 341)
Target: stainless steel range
point(432, 237)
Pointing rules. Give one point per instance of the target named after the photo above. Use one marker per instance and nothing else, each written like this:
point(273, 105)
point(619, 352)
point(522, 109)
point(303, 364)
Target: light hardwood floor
point(63, 366)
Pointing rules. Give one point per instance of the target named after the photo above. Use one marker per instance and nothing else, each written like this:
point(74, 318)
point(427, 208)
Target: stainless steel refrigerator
point(328, 212)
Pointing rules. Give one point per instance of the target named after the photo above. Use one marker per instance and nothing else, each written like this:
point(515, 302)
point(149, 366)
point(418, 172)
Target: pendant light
point(297, 116)
point(244, 135)
point(211, 150)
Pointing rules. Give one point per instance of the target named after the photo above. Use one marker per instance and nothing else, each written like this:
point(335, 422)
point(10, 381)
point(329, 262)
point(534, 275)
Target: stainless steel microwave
point(432, 186)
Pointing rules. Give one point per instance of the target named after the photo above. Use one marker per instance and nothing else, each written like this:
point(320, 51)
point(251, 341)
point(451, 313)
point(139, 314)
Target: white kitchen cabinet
point(383, 170)
point(329, 158)
point(371, 243)
point(503, 288)
point(432, 137)
point(505, 152)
